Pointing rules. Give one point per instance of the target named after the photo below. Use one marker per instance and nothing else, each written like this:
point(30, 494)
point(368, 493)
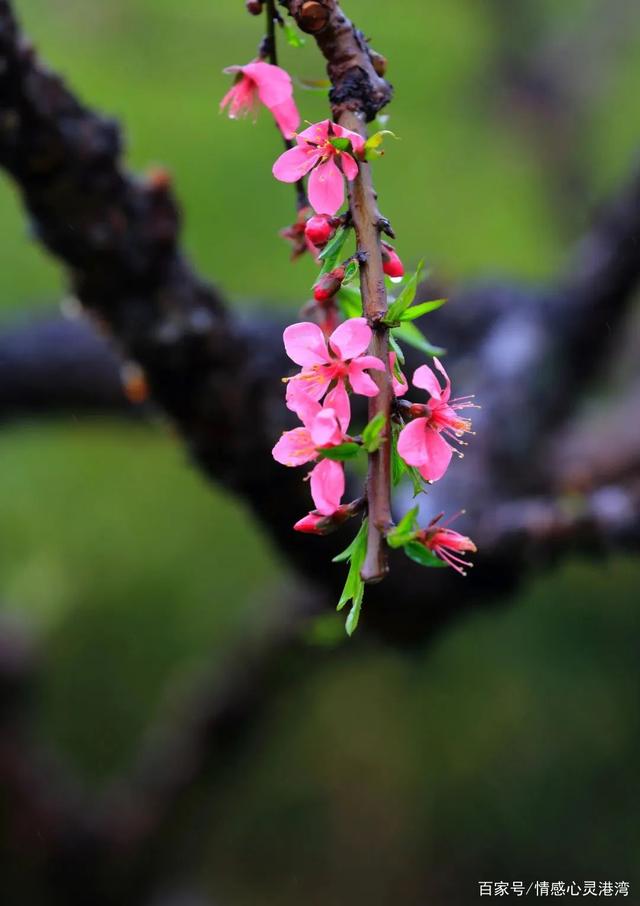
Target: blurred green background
point(510, 747)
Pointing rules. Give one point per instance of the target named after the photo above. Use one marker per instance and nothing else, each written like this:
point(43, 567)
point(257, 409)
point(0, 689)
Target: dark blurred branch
point(51, 365)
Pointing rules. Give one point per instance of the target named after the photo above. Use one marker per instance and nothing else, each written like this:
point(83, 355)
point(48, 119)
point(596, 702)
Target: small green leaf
point(405, 530)
point(409, 333)
point(423, 308)
point(373, 144)
point(395, 347)
point(341, 452)
point(406, 297)
point(340, 144)
point(292, 36)
point(371, 438)
point(333, 250)
point(321, 85)
point(351, 271)
point(354, 613)
point(398, 465)
point(422, 555)
point(354, 587)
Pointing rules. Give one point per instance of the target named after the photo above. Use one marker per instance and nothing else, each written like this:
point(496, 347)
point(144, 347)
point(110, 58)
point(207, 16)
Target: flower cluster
point(332, 346)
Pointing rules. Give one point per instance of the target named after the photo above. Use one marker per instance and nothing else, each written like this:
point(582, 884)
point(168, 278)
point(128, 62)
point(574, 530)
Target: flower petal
point(317, 133)
point(300, 401)
point(421, 446)
point(446, 393)
point(326, 186)
point(349, 166)
point(338, 400)
point(425, 379)
point(273, 83)
point(399, 381)
point(294, 448)
point(305, 344)
point(351, 338)
point(327, 486)
point(313, 382)
point(325, 430)
point(287, 117)
point(361, 382)
point(295, 163)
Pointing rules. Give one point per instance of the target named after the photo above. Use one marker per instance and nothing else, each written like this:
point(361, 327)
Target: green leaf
point(333, 250)
point(422, 555)
point(398, 465)
point(423, 308)
point(292, 36)
point(406, 297)
point(321, 85)
point(409, 333)
point(373, 144)
point(354, 586)
point(395, 347)
point(371, 438)
point(405, 530)
point(354, 613)
point(350, 301)
point(340, 144)
point(341, 452)
point(351, 271)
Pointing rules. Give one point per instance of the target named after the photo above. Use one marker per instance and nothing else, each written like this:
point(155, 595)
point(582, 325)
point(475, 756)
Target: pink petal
point(351, 338)
point(338, 400)
point(287, 117)
point(325, 430)
point(240, 98)
point(305, 344)
point(326, 186)
point(446, 393)
point(421, 446)
point(300, 401)
point(273, 83)
point(294, 163)
point(440, 454)
point(327, 486)
point(349, 166)
point(313, 381)
point(425, 379)
point(317, 133)
point(356, 140)
point(400, 385)
point(294, 448)
point(361, 382)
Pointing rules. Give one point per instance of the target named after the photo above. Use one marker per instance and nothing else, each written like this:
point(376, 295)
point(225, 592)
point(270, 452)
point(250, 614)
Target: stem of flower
point(366, 218)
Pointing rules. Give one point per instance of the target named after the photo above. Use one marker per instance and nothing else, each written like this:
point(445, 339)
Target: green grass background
point(509, 747)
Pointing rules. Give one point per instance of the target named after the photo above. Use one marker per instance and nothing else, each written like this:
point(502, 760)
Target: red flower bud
point(254, 7)
point(318, 230)
point(328, 285)
point(391, 263)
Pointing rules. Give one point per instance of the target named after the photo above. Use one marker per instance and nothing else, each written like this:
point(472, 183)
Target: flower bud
point(318, 230)
point(316, 524)
point(391, 263)
point(254, 7)
point(328, 285)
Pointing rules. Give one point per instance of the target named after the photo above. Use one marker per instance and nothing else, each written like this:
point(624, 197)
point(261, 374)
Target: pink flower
point(398, 379)
point(324, 426)
point(448, 545)
point(268, 84)
point(422, 442)
point(338, 359)
point(314, 152)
